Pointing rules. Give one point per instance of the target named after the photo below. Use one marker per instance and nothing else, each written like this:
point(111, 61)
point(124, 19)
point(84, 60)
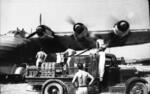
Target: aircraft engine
point(121, 28)
point(43, 30)
point(80, 30)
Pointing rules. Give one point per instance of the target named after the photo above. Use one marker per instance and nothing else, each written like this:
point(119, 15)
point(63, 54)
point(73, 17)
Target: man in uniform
point(80, 79)
point(41, 56)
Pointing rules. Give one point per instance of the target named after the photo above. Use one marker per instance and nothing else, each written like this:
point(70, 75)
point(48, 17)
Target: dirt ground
point(22, 88)
point(16, 89)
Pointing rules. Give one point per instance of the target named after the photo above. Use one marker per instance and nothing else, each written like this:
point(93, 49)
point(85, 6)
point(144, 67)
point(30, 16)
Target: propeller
point(71, 21)
point(122, 25)
point(42, 30)
point(40, 19)
point(32, 34)
point(37, 31)
point(80, 30)
point(125, 15)
point(121, 28)
point(78, 27)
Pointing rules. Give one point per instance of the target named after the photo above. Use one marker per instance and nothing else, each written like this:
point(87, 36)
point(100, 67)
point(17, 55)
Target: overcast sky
point(96, 14)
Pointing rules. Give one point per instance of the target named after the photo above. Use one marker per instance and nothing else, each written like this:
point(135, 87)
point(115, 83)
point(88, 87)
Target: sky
point(96, 14)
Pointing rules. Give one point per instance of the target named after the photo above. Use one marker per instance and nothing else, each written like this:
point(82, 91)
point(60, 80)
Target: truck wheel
point(137, 88)
point(53, 88)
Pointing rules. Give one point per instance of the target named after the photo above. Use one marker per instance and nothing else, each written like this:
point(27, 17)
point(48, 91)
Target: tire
point(137, 88)
point(53, 88)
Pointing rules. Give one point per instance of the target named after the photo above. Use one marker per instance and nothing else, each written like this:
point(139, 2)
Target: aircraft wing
point(82, 38)
point(27, 48)
point(61, 43)
point(135, 36)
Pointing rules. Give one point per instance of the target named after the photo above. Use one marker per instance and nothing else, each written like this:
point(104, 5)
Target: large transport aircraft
point(20, 50)
point(17, 51)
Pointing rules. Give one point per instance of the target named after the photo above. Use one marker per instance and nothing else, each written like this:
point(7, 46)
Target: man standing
point(68, 53)
point(60, 58)
point(81, 79)
point(41, 56)
point(102, 57)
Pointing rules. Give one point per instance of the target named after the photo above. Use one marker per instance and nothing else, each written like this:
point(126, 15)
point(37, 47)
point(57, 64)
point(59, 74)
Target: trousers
point(82, 90)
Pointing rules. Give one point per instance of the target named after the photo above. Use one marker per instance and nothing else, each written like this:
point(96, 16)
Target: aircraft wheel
point(53, 88)
point(137, 88)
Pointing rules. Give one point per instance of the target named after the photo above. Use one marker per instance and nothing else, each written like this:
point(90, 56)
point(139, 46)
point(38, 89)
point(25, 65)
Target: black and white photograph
point(74, 47)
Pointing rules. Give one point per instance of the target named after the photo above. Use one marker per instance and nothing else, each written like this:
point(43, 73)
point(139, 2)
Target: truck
point(119, 77)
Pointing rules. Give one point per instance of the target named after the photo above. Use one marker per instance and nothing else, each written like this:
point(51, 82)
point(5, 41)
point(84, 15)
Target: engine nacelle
point(121, 28)
point(43, 30)
point(80, 30)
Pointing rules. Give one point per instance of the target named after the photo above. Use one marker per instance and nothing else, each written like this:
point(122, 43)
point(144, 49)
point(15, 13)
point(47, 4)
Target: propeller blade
point(71, 21)
point(132, 19)
point(40, 19)
point(32, 34)
point(111, 21)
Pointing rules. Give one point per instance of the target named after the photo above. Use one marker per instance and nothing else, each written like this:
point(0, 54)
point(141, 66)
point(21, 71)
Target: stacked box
point(32, 71)
point(48, 69)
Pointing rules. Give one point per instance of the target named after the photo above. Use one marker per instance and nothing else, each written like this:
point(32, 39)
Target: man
point(41, 56)
point(80, 79)
point(68, 53)
point(102, 57)
point(67, 59)
point(60, 58)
